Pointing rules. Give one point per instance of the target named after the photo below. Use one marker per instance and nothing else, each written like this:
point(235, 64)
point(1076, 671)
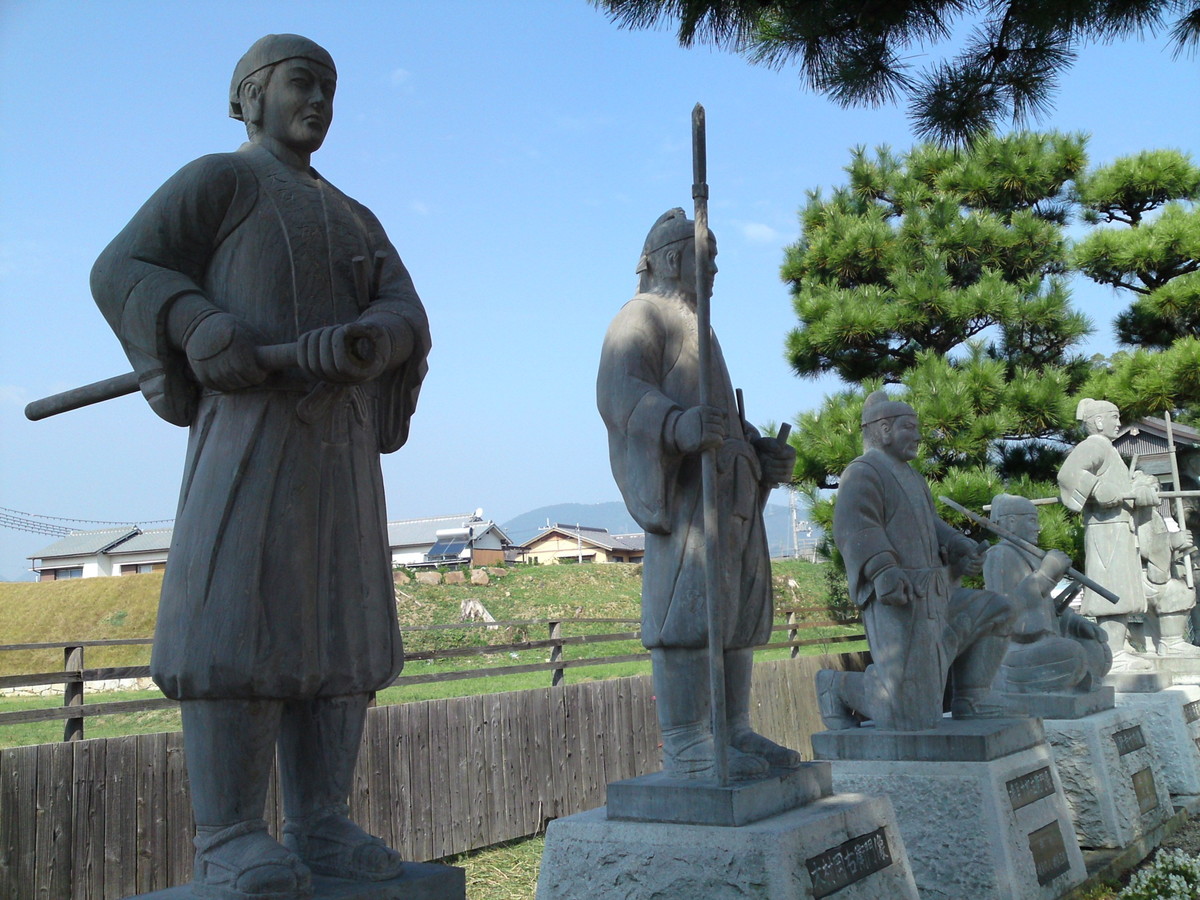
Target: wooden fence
point(104, 819)
point(75, 676)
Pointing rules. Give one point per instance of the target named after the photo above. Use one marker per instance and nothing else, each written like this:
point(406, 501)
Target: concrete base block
point(1112, 778)
point(845, 845)
point(659, 798)
point(1138, 682)
point(992, 830)
point(1181, 670)
point(420, 881)
point(1171, 722)
point(975, 740)
point(1062, 705)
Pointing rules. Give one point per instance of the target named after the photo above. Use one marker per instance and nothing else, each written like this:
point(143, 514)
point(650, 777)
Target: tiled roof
point(147, 541)
point(597, 537)
point(80, 543)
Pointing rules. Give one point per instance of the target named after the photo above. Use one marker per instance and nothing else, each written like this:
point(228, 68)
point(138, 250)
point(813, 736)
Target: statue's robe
point(884, 516)
point(279, 581)
point(1047, 651)
point(1095, 481)
point(648, 377)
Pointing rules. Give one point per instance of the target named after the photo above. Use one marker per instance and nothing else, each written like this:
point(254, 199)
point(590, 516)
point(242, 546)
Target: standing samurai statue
point(648, 394)
point(278, 619)
point(1095, 482)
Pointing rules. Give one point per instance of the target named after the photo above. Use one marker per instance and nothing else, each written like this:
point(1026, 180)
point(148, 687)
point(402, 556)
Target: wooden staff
point(1178, 485)
point(272, 357)
point(708, 459)
point(1034, 549)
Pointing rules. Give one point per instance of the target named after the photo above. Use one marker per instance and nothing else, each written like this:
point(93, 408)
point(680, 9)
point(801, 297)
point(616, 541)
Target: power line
point(49, 525)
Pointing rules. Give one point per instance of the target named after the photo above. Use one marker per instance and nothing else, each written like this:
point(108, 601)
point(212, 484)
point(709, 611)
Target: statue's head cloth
point(671, 227)
point(879, 406)
point(1010, 505)
point(1089, 408)
point(266, 51)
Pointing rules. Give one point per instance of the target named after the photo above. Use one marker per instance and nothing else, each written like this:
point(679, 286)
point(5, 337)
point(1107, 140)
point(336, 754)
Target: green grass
point(102, 608)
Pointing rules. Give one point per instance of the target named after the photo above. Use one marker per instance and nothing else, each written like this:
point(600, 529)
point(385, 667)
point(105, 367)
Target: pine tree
point(858, 53)
point(1147, 245)
point(943, 272)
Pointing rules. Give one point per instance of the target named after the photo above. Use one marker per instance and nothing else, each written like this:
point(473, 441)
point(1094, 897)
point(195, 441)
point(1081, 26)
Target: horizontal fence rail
point(75, 677)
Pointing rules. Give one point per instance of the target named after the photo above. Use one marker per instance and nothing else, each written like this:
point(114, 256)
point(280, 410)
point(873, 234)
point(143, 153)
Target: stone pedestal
point(1138, 682)
point(1180, 669)
point(1059, 704)
point(420, 881)
point(683, 801)
point(979, 804)
point(1113, 781)
point(1170, 720)
point(843, 845)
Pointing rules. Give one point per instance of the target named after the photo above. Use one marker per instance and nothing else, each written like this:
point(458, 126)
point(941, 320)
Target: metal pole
point(708, 459)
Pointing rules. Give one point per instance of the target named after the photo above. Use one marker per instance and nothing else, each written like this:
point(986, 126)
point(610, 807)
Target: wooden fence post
point(73, 691)
point(556, 653)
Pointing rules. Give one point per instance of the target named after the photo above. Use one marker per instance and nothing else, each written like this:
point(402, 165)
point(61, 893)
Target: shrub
point(1172, 876)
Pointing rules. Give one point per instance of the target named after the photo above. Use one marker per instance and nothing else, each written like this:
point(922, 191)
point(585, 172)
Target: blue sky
point(516, 152)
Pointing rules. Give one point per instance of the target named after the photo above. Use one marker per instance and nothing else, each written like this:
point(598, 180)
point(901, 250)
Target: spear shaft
point(708, 459)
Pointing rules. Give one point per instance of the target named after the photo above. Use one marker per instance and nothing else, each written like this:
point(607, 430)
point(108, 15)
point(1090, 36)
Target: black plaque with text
point(1143, 787)
point(1049, 853)
point(1035, 785)
point(1191, 712)
point(1129, 739)
point(849, 862)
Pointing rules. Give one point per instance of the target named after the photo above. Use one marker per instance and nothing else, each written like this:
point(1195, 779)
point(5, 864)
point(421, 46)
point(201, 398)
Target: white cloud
point(420, 207)
point(758, 233)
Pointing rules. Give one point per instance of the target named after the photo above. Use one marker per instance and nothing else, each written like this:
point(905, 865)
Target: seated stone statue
point(903, 564)
point(1048, 651)
point(1169, 600)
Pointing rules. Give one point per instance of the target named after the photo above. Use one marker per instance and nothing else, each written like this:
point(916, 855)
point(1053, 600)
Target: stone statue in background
point(648, 394)
point(1169, 600)
point(278, 618)
point(1048, 651)
point(1095, 481)
point(903, 564)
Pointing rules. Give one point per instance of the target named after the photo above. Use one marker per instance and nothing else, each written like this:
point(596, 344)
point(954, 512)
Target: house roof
point(415, 532)
point(83, 543)
point(1150, 427)
point(596, 537)
point(146, 542)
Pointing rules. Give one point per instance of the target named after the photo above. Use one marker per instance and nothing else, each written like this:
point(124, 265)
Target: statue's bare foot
point(243, 862)
point(1178, 648)
point(774, 754)
point(332, 845)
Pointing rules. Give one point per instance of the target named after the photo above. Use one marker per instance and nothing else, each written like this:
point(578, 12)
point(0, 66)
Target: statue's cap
point(267, 51)
point(879, 406)
point(1088, 407)
point(1010, 505)
point(670, 228)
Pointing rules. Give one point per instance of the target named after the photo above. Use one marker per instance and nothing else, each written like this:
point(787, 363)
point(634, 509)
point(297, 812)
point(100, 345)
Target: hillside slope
point(125, 607)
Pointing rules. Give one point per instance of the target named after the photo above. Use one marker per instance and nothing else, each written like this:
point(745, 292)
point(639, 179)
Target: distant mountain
point(616, 518)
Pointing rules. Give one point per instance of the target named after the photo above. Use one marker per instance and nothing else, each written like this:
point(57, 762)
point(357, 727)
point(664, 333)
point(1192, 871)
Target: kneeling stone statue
point(904, 563)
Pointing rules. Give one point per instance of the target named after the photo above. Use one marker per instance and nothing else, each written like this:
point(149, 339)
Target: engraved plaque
point(1129, 739)
point(1035, 785)
point(1049, 853)
point(1191, 712)
point(849, 862)
point(1143, 786)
